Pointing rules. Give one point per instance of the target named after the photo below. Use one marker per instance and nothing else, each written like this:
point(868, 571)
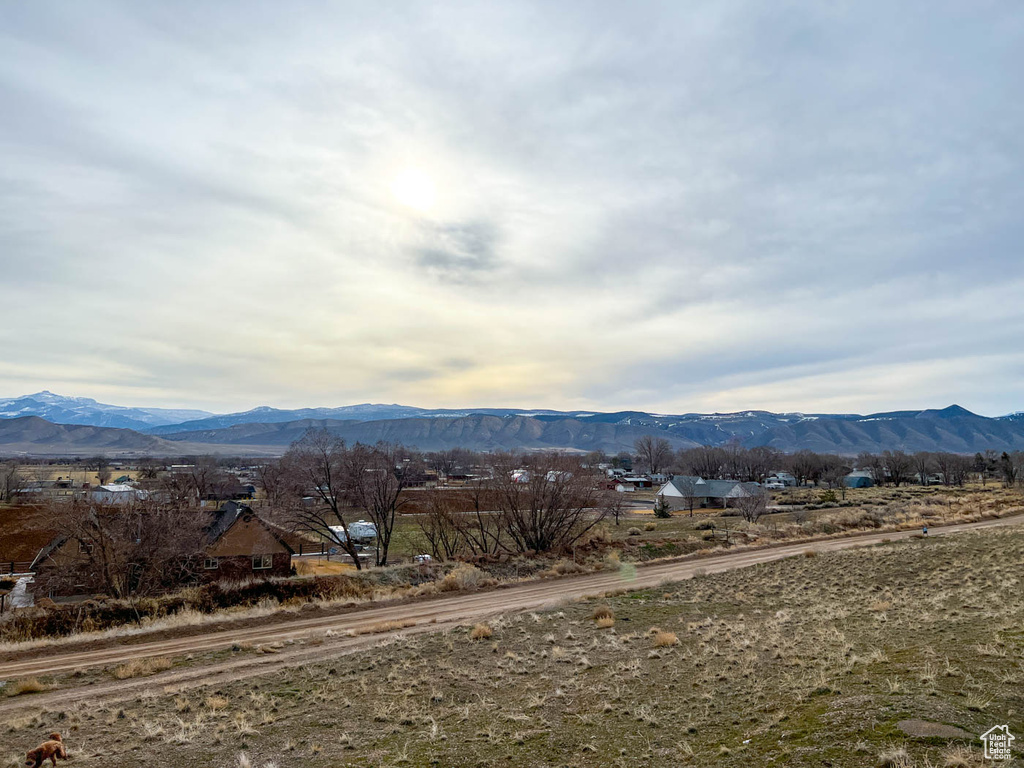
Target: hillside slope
point(33, 436)
point(268, 432)
point(478, 432)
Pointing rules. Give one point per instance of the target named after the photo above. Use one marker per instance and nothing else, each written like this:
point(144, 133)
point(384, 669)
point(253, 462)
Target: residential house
point(241, 545)
point(636, 481)
point(706, 493)
point(117, 493)
point(62, 488)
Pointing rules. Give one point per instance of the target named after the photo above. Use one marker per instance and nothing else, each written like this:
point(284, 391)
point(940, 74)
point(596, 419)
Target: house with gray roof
point(682, 489)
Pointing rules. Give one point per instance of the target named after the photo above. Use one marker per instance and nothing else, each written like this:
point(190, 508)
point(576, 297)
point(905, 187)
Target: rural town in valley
point(511, 384)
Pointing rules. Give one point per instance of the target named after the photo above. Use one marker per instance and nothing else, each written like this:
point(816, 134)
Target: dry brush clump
point(481, 632)
point(464, 577)
point(563, 568)
point(25, 686)
point(141, 667)
point(894, 757)
point(385, 626)
point(602, 612)
point(663, 639)
point(603, 617)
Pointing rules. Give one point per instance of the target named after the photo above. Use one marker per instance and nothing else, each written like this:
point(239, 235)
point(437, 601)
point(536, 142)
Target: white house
point(118, 493)
point(705, 493)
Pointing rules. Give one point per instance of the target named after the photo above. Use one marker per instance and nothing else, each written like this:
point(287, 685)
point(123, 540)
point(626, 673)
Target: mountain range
point(49, 424)
point(84, 410)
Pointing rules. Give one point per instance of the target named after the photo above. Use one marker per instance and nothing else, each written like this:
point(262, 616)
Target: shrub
point(896, 757)
point(602, 612)
point(612, 560)
point(564, 567)
point(465, 576)
point(705, 525)
point(665, 639)
point(481, 632)
point(958, 756)
point(634, 531)
point(28, 685)
point(606, 622)
point(216, 703)
point(141, 668)
point(650, 526)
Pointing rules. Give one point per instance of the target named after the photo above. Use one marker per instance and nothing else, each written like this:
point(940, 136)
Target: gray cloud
point(459, 252)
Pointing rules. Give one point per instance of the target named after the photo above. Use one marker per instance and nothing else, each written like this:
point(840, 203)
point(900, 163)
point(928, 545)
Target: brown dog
point(48, 750)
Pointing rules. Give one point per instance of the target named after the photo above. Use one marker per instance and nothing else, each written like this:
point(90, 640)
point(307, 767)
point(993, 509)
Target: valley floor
point(898, 654)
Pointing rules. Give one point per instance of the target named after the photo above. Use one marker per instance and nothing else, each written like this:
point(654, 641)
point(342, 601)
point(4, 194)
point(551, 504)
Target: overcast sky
point(674, 206)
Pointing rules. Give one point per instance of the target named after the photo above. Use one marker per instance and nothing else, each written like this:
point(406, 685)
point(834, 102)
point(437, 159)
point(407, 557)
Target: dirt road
point(319, 638)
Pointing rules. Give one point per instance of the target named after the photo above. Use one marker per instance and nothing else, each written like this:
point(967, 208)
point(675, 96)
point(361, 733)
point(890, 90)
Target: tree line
point(736, 462)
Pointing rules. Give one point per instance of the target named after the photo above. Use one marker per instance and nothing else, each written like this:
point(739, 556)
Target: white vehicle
point(774, 484)
point(423, 559)
point(360, 530)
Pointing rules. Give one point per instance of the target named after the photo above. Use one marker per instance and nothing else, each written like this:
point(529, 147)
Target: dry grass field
point(896, 655)
point(79, 473)
point(312, 566)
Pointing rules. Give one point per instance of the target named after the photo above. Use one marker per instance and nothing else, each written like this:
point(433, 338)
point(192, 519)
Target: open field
point(794, 661)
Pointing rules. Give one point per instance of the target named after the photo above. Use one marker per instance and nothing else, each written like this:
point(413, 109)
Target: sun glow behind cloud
point(414, 189)
point(534, 205)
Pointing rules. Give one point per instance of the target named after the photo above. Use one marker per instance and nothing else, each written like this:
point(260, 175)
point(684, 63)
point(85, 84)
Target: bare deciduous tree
point(704, 461)
point(318, 462)
point(547, 502)
point(445, 463)
point(753, 505)
point(1009, 468)
point(897, 466)
point(277, 481)
point(924, 463)
point(128, 550)
point(835, 472)
point(874, 465)
point(805, 465)
point(653, 453)
point(443, 527)
point(374, 480)
point(11, 481)
point(101, 465)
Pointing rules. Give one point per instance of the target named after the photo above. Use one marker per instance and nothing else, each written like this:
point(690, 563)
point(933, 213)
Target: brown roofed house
point(241, 546)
